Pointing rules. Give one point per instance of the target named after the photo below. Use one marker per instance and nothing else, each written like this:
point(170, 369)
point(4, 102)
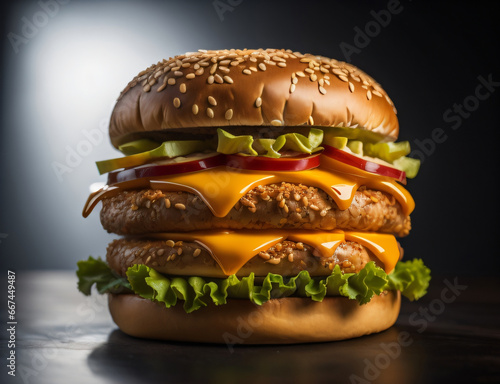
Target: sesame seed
point(369, 95)
point(182, 88)
point(311, 120)
point(210, 79)
point(196, 252)
point(313, 77)
point(161, 87)
point(170, 243)
point(171, 81)
point(223, 69)
point(264, 255)
point(314, 207)
point(177, 102)
point(322, 90)
point(290, 257)
point(229, 114)
point(300, 74)
point(254, 69)
point(227, 79)
point(305, 201)
point(160, 252)
point(292, 88)
point(225, 62)
point(377, 93)
point(258, 102)
point(262, 66)
point(343, 78)
point(210, 113)
point(179, 252)
point(247, 71)
point(180, 206)
point(195, 109)
point(277, 123)
point(295, 80)
point(213, 69)
point(309, 70)
point(281, 64)
point(178, 73)
point(190, 76)
point(234, 63)
point(167, 203)
point(146, 88)
point(351, 87)
point(218, 78)
point(148, 259)
point(274, 261)
point(212, 101)
point(199, 72)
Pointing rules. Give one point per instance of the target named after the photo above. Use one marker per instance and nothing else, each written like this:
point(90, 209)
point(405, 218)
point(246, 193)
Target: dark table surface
point(450, 336)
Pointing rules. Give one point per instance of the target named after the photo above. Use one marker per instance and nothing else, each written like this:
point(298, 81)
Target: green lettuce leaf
point(246, 145)
point(96, 271)
point(229, 144)
point(410, 277)
point(300, 143)
point(168, 149)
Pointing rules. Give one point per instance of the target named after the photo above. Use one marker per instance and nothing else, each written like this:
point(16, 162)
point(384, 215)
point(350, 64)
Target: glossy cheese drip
point(232, 249)
point(221, 187)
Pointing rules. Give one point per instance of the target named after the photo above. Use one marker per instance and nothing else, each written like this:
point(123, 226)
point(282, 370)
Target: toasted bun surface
point(251, 88)
point(278, 321)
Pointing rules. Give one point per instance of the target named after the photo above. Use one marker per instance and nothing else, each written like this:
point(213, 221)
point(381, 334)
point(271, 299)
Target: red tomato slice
point(260, 163)
point(255, 163)
point(365, 165)
point(158, 170)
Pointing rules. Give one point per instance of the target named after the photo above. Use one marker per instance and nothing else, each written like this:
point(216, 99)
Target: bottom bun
point(278, 321)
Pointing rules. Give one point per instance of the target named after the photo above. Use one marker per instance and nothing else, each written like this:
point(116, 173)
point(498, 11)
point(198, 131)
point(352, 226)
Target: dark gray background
point(61, 84)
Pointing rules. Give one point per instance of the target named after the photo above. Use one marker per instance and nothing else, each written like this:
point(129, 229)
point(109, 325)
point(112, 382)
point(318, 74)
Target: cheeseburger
point(258, 201)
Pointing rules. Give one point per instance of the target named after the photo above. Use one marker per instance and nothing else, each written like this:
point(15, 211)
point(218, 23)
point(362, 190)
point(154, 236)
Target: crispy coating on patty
point(284, 205)
point(286, 258)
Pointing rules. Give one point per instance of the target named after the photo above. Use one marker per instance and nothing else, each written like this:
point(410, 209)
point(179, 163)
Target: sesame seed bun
point(242, 322)
point(249, 88)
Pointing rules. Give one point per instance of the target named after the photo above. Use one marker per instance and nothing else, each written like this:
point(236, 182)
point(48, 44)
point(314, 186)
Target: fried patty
point(286, 258)
point(285, 205)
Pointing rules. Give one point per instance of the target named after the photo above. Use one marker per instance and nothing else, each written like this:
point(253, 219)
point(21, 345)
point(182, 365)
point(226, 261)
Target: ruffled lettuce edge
point(410, 277)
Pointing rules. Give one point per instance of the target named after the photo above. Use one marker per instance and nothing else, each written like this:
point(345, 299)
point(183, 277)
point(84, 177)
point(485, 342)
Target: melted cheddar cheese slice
point(233, 249)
